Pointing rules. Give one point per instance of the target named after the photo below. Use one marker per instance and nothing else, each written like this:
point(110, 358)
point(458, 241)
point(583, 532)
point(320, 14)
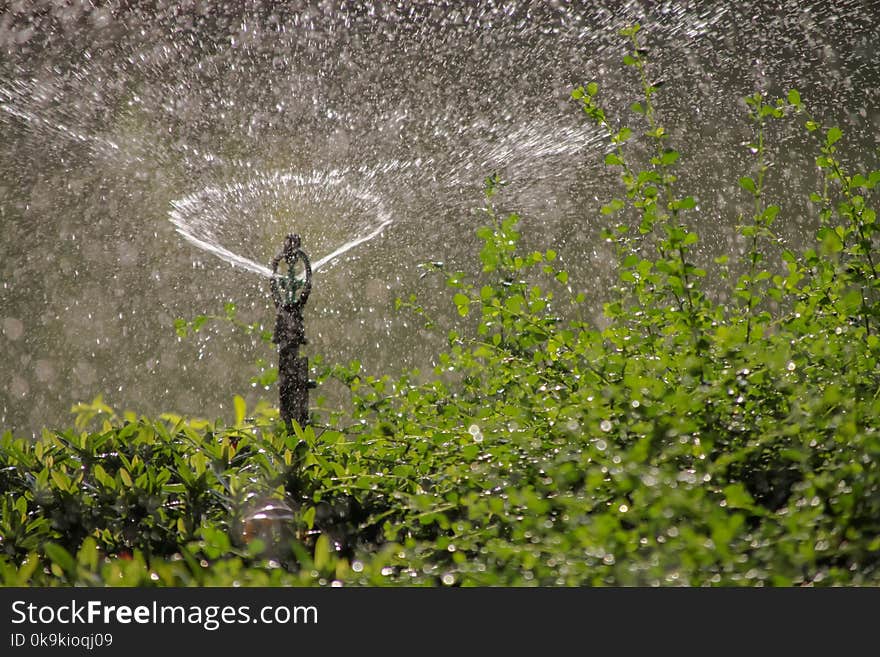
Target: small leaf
point(738, 497)
point(240, 409)
point(687, 203)
point(89, 553)
point(615, 205)
point(462, 303)
point(60, 556)
point(669, 157)
point(61, 480)
point(309, 517)
point(770, 213)
point(747, 184)
point(833, 136)
point(322, 552)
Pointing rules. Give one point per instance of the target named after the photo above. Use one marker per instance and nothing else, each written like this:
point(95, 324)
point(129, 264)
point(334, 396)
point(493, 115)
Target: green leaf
point(309, 517)
point(61, 557)
point(851, 301)
point(592, 88)
point(89, 554)
point(833, 136)
point(687, 203)
point(62, 481)
point(462, 303)
point(514, 304)
point(615, 205)
point(747, 184)
point(612, 159)
point(794, 97)
point(323, 552)
point(240, 409)
point(770, 213)
point(830, 241)
point(738, 497)
point(669, 157)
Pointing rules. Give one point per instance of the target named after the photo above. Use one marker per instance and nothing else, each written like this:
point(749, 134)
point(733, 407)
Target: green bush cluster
point(686, 439)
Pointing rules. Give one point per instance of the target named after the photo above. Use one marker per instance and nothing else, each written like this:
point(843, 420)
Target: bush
point(681, 440)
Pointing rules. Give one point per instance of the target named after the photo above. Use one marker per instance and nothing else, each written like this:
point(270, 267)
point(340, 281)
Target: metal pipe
point(290, 293)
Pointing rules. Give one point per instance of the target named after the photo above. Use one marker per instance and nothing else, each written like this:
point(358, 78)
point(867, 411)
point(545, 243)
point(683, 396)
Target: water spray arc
point(290, 293)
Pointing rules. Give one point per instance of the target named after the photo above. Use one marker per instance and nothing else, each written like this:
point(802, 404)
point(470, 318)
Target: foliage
point(681, 440)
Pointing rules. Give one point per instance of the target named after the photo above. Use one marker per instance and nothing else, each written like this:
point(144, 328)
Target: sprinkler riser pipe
point(293, 369)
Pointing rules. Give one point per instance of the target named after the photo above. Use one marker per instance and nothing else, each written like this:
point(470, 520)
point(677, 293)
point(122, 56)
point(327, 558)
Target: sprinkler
point(290, 293)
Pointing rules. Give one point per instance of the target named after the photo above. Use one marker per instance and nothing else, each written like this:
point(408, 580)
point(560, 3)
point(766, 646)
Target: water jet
point(144, 151)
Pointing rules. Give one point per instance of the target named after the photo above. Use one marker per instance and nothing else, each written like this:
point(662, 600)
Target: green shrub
point(686, 438)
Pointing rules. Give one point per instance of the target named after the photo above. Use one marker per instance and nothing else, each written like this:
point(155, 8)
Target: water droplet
point(605, 425)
